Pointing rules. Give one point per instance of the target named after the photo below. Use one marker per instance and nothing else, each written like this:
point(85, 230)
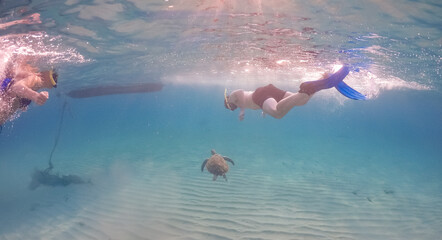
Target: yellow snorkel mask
point(53, 76)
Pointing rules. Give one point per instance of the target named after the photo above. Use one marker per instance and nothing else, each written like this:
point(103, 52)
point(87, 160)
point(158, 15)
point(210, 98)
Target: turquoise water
point(332, 169)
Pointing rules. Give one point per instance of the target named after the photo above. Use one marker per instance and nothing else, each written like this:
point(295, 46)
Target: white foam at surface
point(40, 46)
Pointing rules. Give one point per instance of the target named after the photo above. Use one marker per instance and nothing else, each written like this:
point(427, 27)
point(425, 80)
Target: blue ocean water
point(332, 169)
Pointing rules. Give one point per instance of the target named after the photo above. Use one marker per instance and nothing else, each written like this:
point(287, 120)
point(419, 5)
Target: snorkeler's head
point(51, 76)
point(228, 105)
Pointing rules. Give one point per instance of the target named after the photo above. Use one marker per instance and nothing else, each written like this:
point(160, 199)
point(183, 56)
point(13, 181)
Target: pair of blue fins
point(334, 80)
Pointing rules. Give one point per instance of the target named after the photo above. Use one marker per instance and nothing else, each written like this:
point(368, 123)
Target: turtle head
point(213, 151)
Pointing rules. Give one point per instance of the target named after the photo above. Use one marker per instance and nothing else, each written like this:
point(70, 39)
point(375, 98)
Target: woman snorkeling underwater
point(21, 85)
point(277, 102)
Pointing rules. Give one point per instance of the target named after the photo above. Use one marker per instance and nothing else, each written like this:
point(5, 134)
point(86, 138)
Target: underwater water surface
point(332, 169)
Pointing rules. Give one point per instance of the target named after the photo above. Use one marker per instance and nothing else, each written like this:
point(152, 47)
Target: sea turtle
point(217, 165)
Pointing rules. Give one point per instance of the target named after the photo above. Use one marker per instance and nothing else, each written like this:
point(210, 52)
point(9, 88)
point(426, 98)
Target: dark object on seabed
point(110, 90)
point(46, 178)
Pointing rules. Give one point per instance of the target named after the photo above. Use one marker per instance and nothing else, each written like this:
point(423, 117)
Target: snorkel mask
point(53, 76)
point(228, 105)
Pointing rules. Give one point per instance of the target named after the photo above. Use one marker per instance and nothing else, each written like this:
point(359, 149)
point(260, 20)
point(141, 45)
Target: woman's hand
point(31, 19)
point(241, 115)
point(41, 98)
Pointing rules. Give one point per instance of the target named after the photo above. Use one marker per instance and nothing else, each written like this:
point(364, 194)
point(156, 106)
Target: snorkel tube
point(53, 77)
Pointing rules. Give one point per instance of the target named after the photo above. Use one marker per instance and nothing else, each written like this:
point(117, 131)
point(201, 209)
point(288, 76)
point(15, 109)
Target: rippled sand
point(139, 198)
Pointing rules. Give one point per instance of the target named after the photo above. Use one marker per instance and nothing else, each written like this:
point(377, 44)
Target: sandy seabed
point(135, 197)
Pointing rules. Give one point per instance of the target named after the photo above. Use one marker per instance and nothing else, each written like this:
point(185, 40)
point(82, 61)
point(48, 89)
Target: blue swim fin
point(349, 92)
point(332, 81)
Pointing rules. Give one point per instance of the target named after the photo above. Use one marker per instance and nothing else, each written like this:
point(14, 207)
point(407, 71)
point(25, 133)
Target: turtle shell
point(217, 165)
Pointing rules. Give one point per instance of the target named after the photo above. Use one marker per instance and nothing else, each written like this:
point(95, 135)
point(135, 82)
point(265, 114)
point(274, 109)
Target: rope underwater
point(57, 137)
point(45, 177)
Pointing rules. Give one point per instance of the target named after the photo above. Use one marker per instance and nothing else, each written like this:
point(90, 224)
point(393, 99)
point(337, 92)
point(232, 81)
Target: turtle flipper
point(228, 160)
point(214, 177)
point(224, 175)
point(204, 164)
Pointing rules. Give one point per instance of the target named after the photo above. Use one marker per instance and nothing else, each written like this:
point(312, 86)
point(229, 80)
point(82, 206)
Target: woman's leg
point(269, 107)
point(281, 108)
